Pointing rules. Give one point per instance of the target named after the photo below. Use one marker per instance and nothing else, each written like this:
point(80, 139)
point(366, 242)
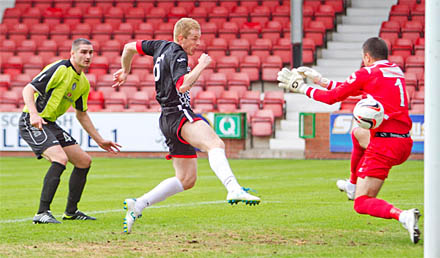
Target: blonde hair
point(184, 26)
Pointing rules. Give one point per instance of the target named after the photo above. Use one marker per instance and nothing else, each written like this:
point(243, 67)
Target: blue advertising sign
point(341, 125)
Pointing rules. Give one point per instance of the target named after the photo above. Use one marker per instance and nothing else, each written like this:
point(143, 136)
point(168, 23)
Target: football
point(368, 113)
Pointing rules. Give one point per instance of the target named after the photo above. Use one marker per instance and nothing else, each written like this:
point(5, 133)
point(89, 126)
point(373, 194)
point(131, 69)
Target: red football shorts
point(382, 154)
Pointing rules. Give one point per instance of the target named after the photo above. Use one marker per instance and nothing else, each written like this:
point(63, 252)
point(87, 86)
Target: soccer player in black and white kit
point(182, 128)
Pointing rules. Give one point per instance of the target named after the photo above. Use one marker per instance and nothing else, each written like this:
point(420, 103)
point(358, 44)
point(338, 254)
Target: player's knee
point(59, 158)
point(217, 143)
point(360, 205)
point(85, 161)
point(189, 182)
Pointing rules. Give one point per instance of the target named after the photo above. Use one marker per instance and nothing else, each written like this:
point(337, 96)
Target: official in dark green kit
point(48, 96)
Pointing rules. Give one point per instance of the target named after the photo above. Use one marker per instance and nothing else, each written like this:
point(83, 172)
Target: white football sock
point(350, 187)
point(403, 217)
point(165, 189)
point(219, 164)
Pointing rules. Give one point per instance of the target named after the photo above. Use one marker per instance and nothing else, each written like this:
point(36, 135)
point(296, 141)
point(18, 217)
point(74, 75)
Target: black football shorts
point(40, 140)
point(170, 125)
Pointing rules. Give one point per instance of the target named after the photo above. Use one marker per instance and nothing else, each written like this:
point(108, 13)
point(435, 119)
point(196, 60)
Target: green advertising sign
point(230, 125)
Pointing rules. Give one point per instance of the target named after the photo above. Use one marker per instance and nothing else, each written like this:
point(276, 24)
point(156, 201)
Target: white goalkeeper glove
point(292, 81)
point(313, 75)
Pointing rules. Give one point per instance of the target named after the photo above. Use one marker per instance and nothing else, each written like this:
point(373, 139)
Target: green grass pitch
point(302, 213)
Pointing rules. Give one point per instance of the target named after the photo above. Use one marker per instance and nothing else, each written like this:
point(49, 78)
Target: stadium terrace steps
point(343, 53)
point(372, 3)
point(286, 134)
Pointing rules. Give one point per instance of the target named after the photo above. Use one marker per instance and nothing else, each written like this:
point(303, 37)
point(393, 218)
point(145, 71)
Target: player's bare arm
point(191, 77)
point(120, 76)
point(28, 97)
point(87, 124)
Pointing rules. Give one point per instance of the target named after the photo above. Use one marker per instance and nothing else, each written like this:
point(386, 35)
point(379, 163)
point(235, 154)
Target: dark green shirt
point(58, 86)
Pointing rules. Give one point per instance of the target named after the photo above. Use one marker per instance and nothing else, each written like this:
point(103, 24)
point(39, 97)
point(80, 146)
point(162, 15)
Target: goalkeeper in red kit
point(376, 151)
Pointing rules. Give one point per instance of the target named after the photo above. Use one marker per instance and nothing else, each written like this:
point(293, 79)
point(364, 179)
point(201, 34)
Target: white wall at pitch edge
point(134, 131)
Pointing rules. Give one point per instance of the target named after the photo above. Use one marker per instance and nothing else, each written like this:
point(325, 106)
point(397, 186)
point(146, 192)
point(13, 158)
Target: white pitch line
point(151, 207)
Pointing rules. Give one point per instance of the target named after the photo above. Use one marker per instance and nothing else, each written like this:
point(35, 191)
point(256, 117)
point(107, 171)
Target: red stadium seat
point(31, 16)
point(217, 48)
point(52, 15)
point(230, 5)
point(12, 16)
point(111, 49)
point(93, 15)
point(239, 48)
point(34, 64)
point(262, 123)
point(316, 31)
point(167, 5)
point(156, 16)
point(271, 4)
point(218, 15)
point(227, 102)
point(239, 82)
point(398, 60)
point(198, 13)
point(227, 64)
point(102, 32)
point(105, 80)
point(274, 100)
point(139, 98)
point(418, 13)
point(114, 16)
point(272, 31)
point(419, 47)
point(8, 46)
point(250, 4)
point(250, 31)
point(99, 66)
point(281, 14)
point(164, 30)
point(283, 49)
point(137, 16)
point(261, 48)
point(239, 15)
point(208, 5)
point(105, 5)
point(412, 30)
point(402, 47)
point(390, 30)
point(205, 101)
point(260, 14)
point(251, 65)
point(415, 61)
point(216, 82)
point(82, 30)
point(326, 14)
point(20, 81)
point(18, 32)
point(95, 101)
point(188, 5)
point(228, 31)
point(338, 5)
point(39, 32)
point(209, 31)
point(175, 13)
point(124, 33)
point(116, 99)
point(73, 16)
point(144, 31)
point(250, 102)
point(5, 81)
